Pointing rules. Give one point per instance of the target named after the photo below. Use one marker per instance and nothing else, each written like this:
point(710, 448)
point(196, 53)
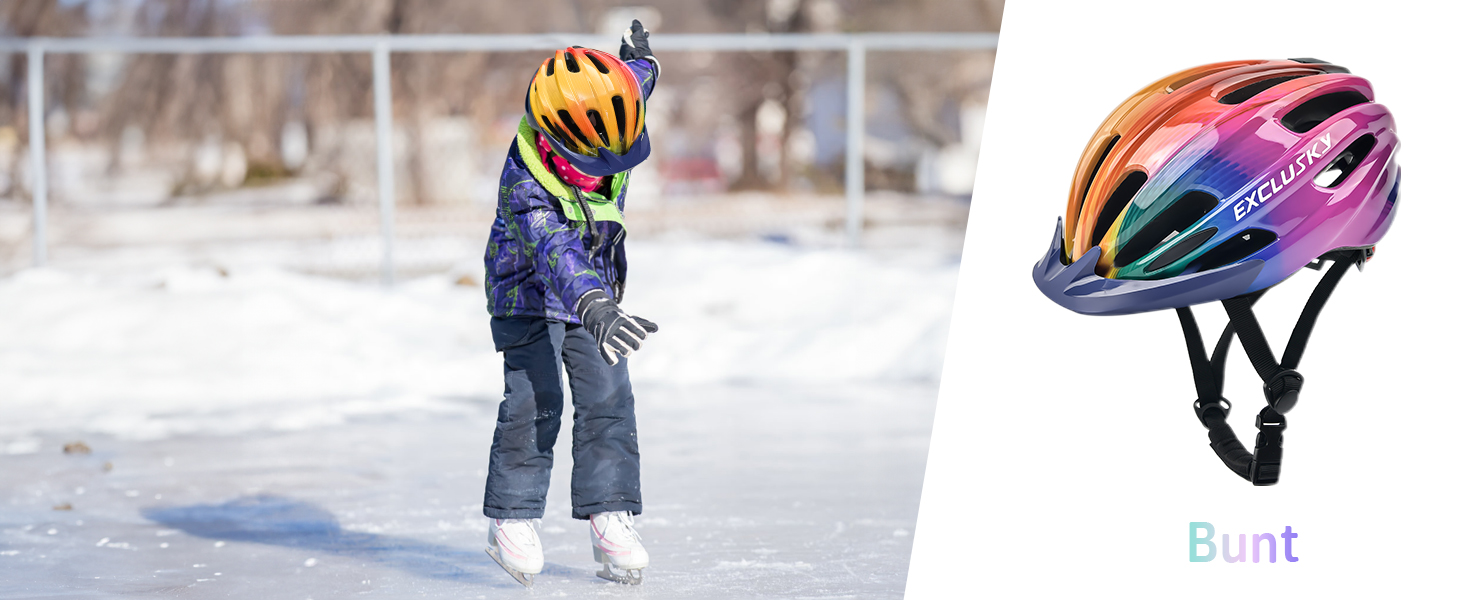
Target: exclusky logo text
point(1268, 189)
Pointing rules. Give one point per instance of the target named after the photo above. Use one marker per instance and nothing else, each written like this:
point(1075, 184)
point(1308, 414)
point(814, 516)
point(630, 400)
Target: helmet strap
point(1282, 382)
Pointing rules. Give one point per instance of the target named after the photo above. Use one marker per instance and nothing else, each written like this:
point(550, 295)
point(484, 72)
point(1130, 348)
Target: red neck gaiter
point(561, 168)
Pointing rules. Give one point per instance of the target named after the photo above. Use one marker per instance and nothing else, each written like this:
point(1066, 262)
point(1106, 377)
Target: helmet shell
point(1272, 161)
point(589, 105)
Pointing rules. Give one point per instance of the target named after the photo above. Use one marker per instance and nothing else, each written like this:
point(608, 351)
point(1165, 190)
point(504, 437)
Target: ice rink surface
point(264, 434)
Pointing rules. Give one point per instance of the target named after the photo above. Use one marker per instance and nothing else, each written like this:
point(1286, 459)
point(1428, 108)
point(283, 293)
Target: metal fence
point(381, 48)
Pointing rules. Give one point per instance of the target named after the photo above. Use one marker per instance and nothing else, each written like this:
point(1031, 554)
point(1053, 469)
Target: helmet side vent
point(1239, 247)
point(570, 64)
point(1178, 251)
point(573, 127)
point(598, 123)
point(1120, 198)
point(1094, 174)
point(618, 104)
point(599, 65)
point(1181, 215)
point(1313, 112)
point(1249, 91)
point(1322, 64)
point(1346, 163)
point(554, 130)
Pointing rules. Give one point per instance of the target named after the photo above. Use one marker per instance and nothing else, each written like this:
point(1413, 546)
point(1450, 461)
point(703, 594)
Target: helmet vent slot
point(1313, 112)
point(1345, 163)
point(573, 127)
point(599, 65)
point(1173, 87)
point(549, 68)
point(570, 64)
point(554, 131)
point(1179, 250)
point(618, 104)
point(1322, 64)
point(599, 124)
point(1181, 215)
point(1249, 91)
point(1113, 141)
point(1120, 198)
point(1237, 248)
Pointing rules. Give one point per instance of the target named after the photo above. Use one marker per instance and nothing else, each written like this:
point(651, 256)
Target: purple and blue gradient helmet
point(1214, 184)
point(1221, 180)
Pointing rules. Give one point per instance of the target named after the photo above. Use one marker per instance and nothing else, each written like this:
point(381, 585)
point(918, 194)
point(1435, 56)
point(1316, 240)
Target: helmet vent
point(1313, 112)
point(1178, 251)
point(570, 64)
point(618, 104)
point(599, 124)
point(599, 65)
point(1173, 87)
point(1181, 215)
point(1345, 163)
point(1098, 165)
point(573, 127)
point(1250, 91)
point(1120, 198)
point(1237, 248)
point(554, 131)
point(1322, 64)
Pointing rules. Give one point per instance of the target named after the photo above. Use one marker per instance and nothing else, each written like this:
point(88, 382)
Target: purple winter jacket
point(538, 260)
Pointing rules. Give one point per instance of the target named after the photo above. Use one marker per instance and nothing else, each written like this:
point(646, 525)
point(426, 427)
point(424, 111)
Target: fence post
point(385, 178)
point(35, 81)
point(854, 146)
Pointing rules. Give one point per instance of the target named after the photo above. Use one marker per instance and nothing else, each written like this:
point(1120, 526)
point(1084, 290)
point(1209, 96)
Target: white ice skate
point(617, 545)
point(514, 545)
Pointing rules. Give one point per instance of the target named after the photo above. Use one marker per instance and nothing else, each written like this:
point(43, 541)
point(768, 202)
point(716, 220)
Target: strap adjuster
point(1282, 390)
point(1265, 468)
point(1220, 404)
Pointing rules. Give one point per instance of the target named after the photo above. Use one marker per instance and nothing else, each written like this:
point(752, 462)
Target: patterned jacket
point(539, 258)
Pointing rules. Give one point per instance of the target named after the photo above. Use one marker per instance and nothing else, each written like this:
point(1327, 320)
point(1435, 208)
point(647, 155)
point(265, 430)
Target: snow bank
point(216, 350)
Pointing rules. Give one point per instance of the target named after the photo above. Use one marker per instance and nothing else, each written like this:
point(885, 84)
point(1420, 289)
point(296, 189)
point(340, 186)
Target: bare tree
point(25, 18)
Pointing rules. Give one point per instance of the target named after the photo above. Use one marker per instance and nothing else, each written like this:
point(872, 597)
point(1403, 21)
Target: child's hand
point(635, 43)
point(616, 333)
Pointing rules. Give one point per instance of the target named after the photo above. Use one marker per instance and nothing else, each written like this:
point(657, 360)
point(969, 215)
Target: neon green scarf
point(601, 208)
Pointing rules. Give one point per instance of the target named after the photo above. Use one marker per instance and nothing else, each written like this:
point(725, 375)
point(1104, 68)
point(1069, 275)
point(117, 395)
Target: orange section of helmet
point(578, 87)
point(1134, 122)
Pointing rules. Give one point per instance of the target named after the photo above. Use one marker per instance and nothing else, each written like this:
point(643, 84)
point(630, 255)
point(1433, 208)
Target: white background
point(1066, 457)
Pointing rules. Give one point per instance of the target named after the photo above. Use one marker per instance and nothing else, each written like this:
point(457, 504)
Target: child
point(555, 274)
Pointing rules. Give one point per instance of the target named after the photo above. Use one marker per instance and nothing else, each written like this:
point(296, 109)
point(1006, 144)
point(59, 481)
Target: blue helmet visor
point(607, 162)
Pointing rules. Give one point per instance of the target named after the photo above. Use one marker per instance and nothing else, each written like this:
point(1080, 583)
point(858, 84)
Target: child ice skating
point(555, 276)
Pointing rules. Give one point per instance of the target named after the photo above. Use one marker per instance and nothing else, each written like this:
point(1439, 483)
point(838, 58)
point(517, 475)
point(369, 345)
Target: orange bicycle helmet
point(588, 104)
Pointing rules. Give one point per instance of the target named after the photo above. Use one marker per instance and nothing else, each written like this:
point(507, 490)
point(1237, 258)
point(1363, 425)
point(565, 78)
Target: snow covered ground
point(263, 432)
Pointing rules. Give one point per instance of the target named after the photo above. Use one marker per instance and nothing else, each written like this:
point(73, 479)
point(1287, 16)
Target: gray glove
point(635, 43)
point(616, 333)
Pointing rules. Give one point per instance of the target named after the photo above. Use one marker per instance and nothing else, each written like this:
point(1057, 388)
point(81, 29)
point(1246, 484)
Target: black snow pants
point(606, 475)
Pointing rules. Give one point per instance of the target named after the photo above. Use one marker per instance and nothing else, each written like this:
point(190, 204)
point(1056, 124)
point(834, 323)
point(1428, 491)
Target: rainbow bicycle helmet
point(588, 104)
point(1216, 183)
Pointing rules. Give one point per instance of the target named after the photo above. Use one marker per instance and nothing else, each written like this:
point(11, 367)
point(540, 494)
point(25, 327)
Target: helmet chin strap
point(1282, 382)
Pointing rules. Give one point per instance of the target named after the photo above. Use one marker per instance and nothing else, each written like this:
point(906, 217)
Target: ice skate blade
point(630, 577)
point(527, 579)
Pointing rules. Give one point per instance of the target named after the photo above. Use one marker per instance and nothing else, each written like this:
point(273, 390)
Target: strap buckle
point(1265, 467)
point(1220, 404)
point(1282, 390)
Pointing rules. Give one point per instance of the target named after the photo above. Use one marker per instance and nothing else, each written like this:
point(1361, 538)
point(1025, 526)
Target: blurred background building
point(270, 157)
